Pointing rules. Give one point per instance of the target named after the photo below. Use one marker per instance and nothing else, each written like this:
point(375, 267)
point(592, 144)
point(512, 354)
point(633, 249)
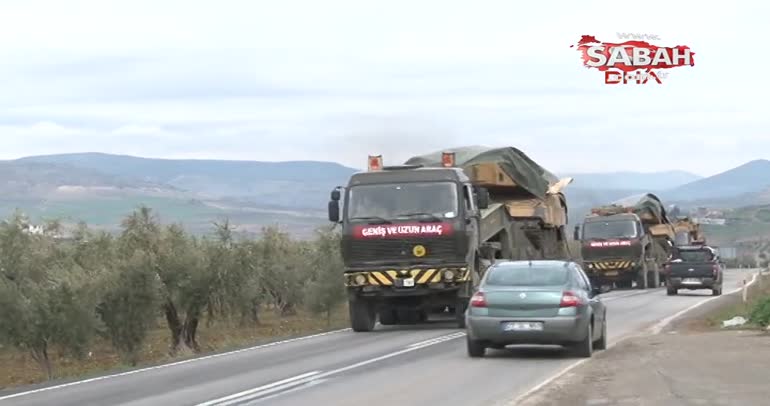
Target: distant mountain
point(36, 179)
point(649, 181)
point(294, 184)
point(750, 178)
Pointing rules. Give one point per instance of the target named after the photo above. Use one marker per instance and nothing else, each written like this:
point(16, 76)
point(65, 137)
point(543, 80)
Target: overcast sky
point(337, 80)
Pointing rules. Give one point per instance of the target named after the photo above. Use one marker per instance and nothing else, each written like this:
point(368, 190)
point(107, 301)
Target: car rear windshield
point(527, 276)
point(695, 256)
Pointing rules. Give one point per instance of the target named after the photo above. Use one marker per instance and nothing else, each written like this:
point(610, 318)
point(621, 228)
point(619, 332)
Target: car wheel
point(601, 343)
point(716, 292)
point(585, 348)
point(671, 291)
point(476, 348)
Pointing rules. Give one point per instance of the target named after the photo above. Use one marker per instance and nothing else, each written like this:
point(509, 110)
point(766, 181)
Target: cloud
point(341, 79)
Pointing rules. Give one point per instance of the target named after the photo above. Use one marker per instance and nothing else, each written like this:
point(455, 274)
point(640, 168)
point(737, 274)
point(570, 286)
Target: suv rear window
point(506, 275)
point(695, 255)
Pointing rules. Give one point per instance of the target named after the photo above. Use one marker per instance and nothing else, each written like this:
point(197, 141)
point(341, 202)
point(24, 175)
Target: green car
point(536, 302)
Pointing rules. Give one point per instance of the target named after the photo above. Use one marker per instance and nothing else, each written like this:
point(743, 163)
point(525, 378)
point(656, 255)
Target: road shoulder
point(689, 362)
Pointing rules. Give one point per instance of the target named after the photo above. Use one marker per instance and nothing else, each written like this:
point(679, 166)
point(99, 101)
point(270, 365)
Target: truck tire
point(408, 316)
point(460, 309)
point(671, 291)
point(641, 277)
point(653, 277)
point(362, 315)
point(388, 316)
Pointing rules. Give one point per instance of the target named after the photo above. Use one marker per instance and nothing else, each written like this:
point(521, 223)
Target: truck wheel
point(388, 316)
point(476, 349)
point(362, 315)
point(653, 278)
point(460, 314)
point(672, 291)
point(641, 278)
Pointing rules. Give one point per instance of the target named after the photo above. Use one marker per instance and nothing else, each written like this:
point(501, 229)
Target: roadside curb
point(654, 330)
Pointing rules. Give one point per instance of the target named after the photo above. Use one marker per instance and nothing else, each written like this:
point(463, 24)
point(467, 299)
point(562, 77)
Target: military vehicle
point(417, 237)
point(628, 240)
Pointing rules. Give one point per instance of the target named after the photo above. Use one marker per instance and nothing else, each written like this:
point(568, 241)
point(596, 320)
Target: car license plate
point(523, 326)
point(693, 281)
point(407, 283)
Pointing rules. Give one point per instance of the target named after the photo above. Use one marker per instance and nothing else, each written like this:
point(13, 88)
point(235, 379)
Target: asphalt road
point(405, 365)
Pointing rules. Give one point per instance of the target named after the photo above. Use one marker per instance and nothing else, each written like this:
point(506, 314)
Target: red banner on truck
point(402, 230)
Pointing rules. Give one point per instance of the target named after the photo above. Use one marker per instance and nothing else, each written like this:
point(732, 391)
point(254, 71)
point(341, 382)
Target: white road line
point(237, 397)
point(437, 340)
point(189, 361)
point(309, 378)
point(658, 327)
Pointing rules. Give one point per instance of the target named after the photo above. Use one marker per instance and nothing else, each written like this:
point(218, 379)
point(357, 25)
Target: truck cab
point(410, 241)
point(613, 247)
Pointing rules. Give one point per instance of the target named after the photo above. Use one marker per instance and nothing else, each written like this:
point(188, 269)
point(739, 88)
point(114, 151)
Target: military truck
point(417, 237)
point(688, 233)
point(628, 240)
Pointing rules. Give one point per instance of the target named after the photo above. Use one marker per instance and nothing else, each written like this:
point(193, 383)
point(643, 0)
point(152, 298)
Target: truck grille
point(401, 250)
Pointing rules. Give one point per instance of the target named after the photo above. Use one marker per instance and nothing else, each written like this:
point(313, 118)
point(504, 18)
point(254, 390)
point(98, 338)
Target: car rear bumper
point(678, 282)
point(556, 330)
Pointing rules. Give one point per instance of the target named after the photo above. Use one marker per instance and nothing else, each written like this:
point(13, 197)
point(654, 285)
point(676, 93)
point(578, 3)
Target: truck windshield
point(609, 229)
point(407, 200)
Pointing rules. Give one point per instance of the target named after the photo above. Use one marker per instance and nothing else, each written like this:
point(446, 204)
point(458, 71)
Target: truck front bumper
point(413, 281)
point(611, 270)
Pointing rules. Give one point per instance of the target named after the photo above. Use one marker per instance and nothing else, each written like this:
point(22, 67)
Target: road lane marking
point(237, 397)
point(189, 361)
point(610, 344)
point(308, 379)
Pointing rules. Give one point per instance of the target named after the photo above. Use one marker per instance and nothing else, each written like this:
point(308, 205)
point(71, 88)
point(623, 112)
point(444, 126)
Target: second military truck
point(626, 241)
point(417, 237)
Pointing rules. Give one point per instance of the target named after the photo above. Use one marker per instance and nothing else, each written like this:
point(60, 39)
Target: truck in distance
point(417, 237)
point(625, 242)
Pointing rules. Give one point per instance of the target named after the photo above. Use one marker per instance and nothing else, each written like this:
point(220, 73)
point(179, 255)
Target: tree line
point(63, 293)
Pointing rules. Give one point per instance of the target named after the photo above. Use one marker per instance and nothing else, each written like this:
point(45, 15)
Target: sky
point(339, 80)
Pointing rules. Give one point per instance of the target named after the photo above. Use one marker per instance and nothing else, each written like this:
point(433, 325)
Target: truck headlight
point(360, 279)
point(449, 275)
point(590, 266)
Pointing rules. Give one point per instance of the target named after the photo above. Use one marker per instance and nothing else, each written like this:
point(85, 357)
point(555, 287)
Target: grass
point(756, 293)
point(18, 368)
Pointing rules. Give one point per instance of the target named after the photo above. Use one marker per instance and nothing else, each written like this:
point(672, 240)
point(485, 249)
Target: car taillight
point(479, 300)
point(570, 299)
point(715, 270)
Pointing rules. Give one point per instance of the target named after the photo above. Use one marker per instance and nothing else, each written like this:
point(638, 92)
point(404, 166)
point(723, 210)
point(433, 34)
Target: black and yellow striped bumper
point(609, 268)
point(407, 277)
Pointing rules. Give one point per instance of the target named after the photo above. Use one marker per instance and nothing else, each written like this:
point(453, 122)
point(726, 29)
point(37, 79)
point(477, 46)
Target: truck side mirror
point(576, 233)
point(483, 198)
point(334, 211)
point(335, 195)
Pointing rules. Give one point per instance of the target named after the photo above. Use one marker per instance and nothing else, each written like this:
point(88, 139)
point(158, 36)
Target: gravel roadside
point(689, 363)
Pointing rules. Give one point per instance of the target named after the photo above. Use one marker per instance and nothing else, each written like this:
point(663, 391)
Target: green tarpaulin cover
point(645, 202)
point(523, 170)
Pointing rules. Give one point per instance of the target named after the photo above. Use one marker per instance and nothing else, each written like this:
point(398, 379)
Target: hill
point(293, 184)
point(750, 178)
point(637, 180)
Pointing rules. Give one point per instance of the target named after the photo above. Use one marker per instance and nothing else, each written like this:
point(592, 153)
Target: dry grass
point(18, 368)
